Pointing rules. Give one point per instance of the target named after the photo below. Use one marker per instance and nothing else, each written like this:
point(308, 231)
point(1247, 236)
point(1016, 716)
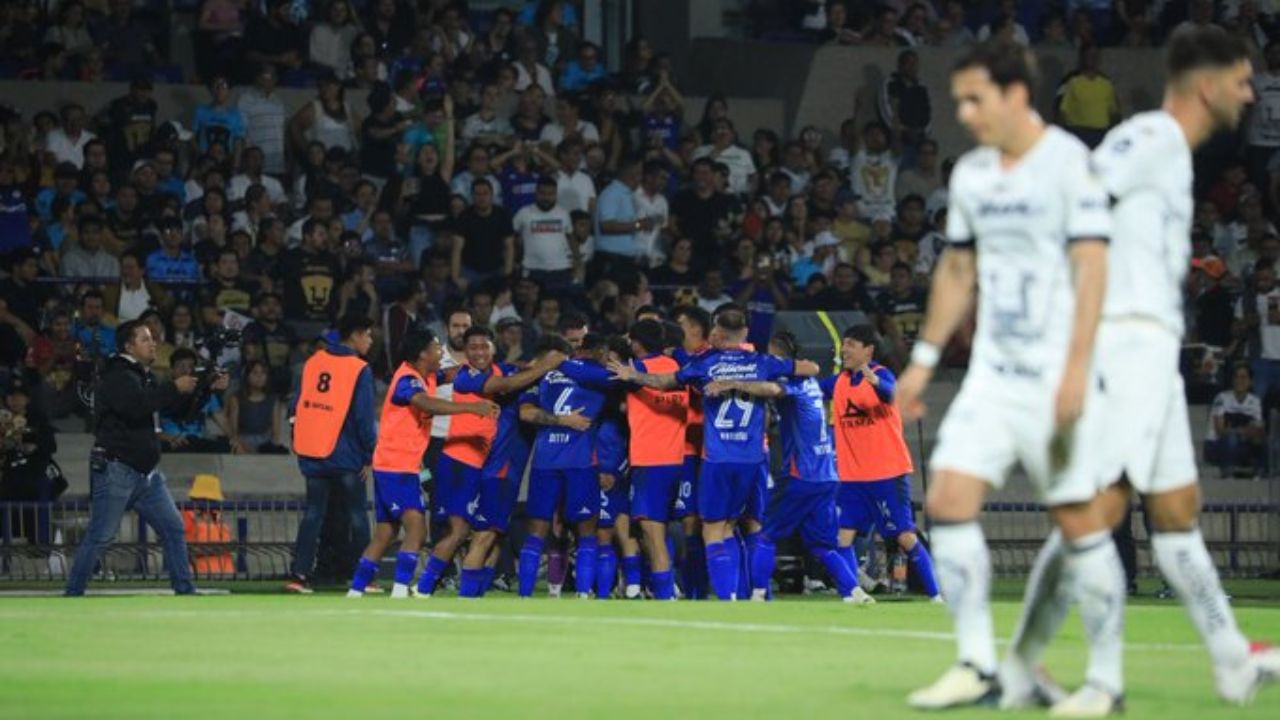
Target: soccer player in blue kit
point(808, 502)
point(569, 401)
point(734, 449)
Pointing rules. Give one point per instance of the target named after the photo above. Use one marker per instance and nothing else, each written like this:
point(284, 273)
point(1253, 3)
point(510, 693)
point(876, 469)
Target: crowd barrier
point(253, 540)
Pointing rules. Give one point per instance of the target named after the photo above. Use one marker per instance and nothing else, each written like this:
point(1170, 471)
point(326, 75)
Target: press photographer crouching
point(123, 472)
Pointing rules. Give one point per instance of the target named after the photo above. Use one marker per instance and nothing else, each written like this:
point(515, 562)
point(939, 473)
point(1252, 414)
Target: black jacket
point(126, 400)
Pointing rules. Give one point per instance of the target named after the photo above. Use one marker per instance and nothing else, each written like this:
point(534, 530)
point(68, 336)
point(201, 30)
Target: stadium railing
point(38, 540)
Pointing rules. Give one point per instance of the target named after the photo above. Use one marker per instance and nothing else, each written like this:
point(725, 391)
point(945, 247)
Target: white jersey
point(1145, 165)
point(1021, 220)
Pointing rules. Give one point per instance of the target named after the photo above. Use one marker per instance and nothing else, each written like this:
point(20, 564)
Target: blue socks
point(722, 569)
point(850, 556)
point(489, 572)
point(631, 574)
point(431, 574)
point(924, 568)
point(406, 563)
point(586, 564)
point(741, 582)
point(838, 567)
point(606, 571)
point(530, 557)
point(693, 572)
point(471, 584)
point(745, 584)
point(366, 569)
point(663, 585)
point(762, 561)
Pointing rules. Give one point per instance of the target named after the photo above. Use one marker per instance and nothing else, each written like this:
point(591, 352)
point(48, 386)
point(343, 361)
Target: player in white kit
point(1028, 225)
point(1136, 429)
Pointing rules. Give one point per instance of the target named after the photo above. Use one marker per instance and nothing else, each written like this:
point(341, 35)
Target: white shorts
point(1138, 426)
point(994, 423)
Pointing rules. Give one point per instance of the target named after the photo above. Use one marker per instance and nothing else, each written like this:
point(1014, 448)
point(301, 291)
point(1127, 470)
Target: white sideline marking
point(524, 618)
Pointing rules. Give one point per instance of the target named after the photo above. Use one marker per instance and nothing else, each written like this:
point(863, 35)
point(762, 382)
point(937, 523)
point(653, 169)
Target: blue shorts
point(809, 507)
point(882, 504)
point(395, 492)
point(458, 487)
point(497, 503)
point(576, 490)
point(615, 502)
point(758, 499)
point(724, 489)
point(654, 491)
point(686, 503)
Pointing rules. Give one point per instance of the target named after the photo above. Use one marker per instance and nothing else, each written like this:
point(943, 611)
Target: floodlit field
point(271, 656)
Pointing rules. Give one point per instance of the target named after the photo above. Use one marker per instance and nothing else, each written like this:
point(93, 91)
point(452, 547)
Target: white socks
point(1185, 563)
point(1044, 604)
point(964, 572)
point(1095, 578)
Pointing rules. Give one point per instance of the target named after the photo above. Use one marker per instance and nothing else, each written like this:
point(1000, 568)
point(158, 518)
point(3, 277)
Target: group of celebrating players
point(1076, 260)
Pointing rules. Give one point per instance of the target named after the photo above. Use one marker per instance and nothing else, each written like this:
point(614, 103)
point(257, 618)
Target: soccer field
point(274, 656)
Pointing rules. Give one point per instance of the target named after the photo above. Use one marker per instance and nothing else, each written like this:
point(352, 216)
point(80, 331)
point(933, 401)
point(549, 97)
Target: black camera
point(214, 345)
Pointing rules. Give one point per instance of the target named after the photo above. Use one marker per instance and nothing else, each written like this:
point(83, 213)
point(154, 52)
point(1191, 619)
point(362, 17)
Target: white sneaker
point(860, 597)
point(759, 595)
point(1090, 701)
point(959, 686)
point(354, 594)
point(1238, 685)
point(417, 594)
point(554, 590)
point(1023, 687)
point(584, 596)
point(632, 592)
point(937, 600)
point(399, 591)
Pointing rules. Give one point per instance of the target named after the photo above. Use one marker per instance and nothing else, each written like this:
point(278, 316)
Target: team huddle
point(1075, 261)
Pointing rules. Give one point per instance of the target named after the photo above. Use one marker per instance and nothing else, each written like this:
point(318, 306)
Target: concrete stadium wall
point(179, 101)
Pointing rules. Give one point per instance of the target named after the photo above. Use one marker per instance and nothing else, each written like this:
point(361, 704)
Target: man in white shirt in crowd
point(67, 142)
point(87, 259)
point(569, 124)
point(873, 172)
point(575, 189)
point(652, 203)
point(1261, 317)
point(724, 149)
point(1235, 440)
point(544, 228)
point(486, 126)
point(253, 172)
point(477, 168)
point(264, 119)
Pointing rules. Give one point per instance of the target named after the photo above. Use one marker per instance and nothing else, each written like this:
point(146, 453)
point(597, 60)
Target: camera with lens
point(214, 345)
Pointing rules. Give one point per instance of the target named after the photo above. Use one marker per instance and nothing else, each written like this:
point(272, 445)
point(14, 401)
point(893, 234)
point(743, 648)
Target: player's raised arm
point(436, 406)
point(626, 373)
point(523, 379)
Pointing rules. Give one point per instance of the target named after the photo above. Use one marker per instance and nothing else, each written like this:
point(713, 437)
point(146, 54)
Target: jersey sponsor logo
point(854, 416)
point(1005, 208)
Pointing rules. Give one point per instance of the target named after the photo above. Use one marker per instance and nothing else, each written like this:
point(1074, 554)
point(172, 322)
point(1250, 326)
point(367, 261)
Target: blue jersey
point(577, 385)
point(509, 444)
point(807, 451)
point(733, 424)
point(611, 447)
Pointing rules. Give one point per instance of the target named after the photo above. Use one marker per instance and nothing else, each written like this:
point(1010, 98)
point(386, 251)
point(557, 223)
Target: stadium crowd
point(498, 170)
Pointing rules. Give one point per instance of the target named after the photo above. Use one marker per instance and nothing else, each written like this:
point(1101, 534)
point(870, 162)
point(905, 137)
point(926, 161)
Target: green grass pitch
point(247, 656)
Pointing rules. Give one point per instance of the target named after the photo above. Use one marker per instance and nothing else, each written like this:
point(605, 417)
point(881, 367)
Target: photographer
point(125, 456)
point(183, 428)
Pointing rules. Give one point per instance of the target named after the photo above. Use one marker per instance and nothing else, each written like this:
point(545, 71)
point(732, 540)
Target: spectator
point(702, 214)
point(478, 168)
point(96, 338)
point(226, 289)
point(486, 126)
point(359, 294)
point(651, 203)
point(569, 125)
point(555, 38)
point(1087, 103)
point(904, 101)
point(676, 275)
point(845, 292)
point(914, 29)
point(901, 312)
point(617, 221)
point(1212, 302)
point(67, 143)
point(184, 328)
point(264, 120)
point(1235, 439)
point(380, 135)
point(52, 356)
point(839, 30)
point(172, 263)
point(71, 32)
point(544, 229)
point(134, 295)
point(24, 295)
point(873, 172)
point(88, 259)
point(331, 38)
point(275, 39)
point(219, 123)
point(271, 341)
point(723, 148)
point(389, 255)
point(327, 121)
point(952, 29)
point(1005, 24)
point(28, 472)
point(310, 275)
point(584, 71)
point(530, 71)
point(759, 287)
point(922, 177)
point(1263, 128)
point(253, 413)
point(1139, 18)
point(126, 43)
point(220, 28)
point(391, 26)
point(185, 430)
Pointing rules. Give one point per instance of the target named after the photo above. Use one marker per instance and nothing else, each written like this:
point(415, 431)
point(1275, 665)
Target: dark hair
point(549, 343)
point(1007, 62)
point(310, 226)
point(414, 343)
point(478, 331)
point(90, 294)
point(126, 331)
point(864, 334)
point(89, 221)
point(593, 342)
point(1200, 48)
point(695, 315)
point(731, 317)
point(649, 310)
point(649, 335)
point(183, 354)
point(572, 321)
point(546, 181)
point(787, 339)
point(653, 167)
point(352, 324)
